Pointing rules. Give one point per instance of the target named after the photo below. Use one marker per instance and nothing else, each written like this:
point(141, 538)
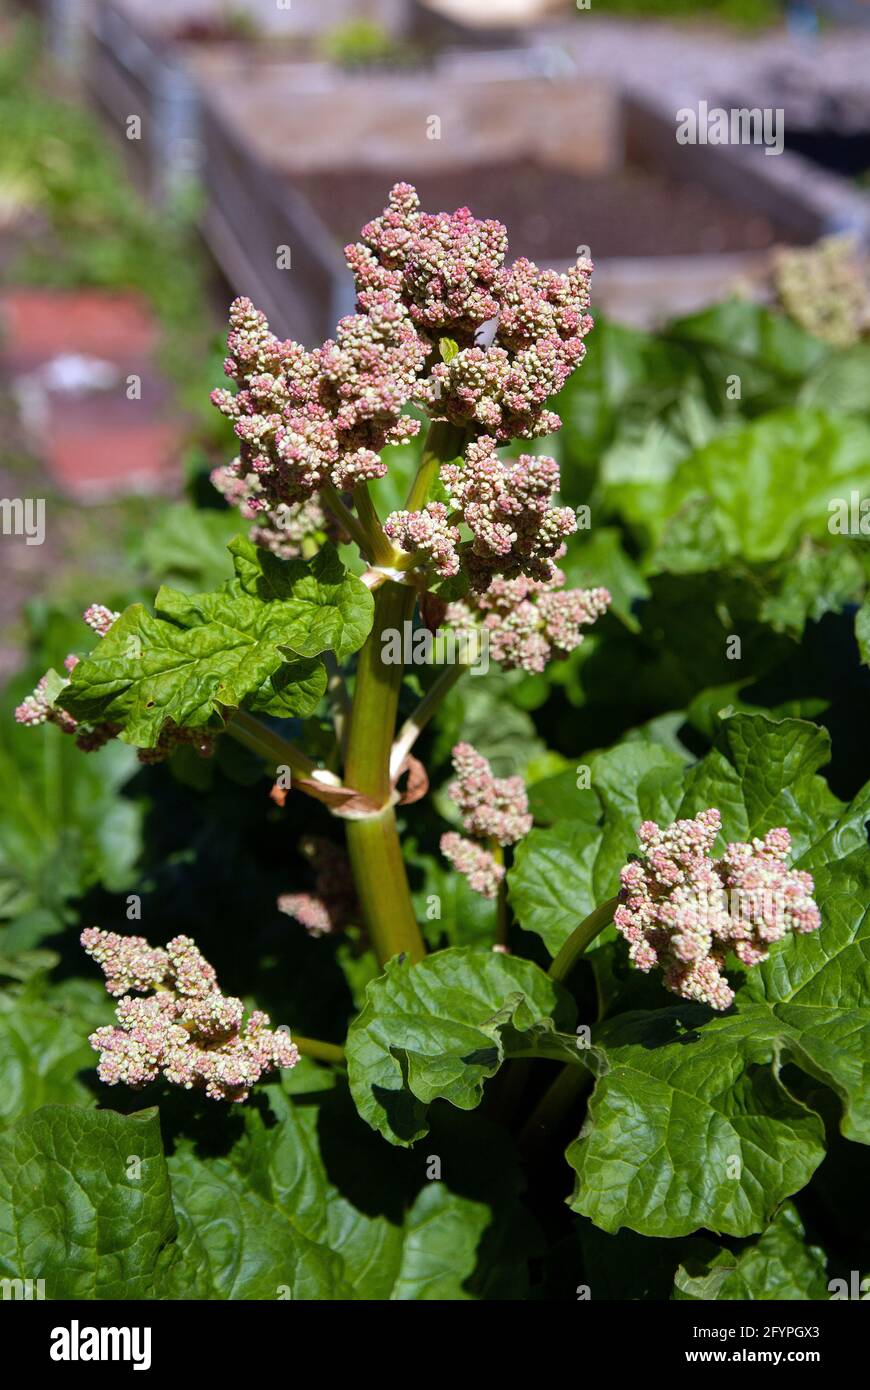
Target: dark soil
point(551, 211)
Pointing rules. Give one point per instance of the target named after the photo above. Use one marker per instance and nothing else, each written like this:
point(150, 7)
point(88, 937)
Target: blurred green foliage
point(362, 43)
point(749, 14)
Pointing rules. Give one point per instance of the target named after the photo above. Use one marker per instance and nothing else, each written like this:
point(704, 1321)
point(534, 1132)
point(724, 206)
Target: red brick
point(39, 324)
point(105, 463)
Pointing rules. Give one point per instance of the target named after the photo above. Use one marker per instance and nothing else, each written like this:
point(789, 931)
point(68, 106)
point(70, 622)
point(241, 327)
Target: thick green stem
point(373, 842)
point(320, 1051)
point(382, 886)
point(580, 938)
point(376, 696)
point(444, 442)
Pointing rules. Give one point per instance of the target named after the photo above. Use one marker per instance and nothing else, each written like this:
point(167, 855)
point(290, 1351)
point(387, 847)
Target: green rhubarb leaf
point(253, 642)
point(236, 1245)
point(723, 501)
point(551, 881)
point(85, 1203)
point(322, 606)
point(765, 347)
point(629, 375)
point(761, 773)
point(439, 1029)
point(805, 455)
point(764, 773)
point(186, 546)
point(148, 670)
point(439, 1245)
point(64, 825)
point(815, 990)
point(813, 583)
point(840, 381)
point(779, 1265)
point(44, 1046)
point(690, 1126)
point(269, 1222)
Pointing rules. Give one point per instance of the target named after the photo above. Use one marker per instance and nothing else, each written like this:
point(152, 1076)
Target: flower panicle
point(307, 420)
point(528, 622)
point(494, 811)
point(441, 324)
point(683, 910)
point(185, 1029)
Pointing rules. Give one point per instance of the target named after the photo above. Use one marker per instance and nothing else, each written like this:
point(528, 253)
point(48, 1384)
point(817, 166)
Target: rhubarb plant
point(646, 971)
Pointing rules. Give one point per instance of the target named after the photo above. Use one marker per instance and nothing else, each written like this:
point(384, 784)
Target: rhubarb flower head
point(683, 910)
point(185, 1030)
point(495, 813)
point(443, 323)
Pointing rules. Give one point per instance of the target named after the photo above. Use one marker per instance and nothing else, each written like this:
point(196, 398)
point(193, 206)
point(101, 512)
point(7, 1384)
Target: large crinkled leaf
point(629, 374)
point(85, 1202)
point(551, 881)
point(690, 1126)
point(764, 773)
point(236, 1246)
point(268, 1221)
point(805, 455)
point(255, 641)
point(186, 546)
point(812, 583)
point(761, 773)
point(44, 1046)
point(438, 1245)
point(817, 991)
point(149, 669)
point(840, 381)
point(438, 1029)
point(323, 607)
point(779, 1265)
point(739, 334)
point(724, 500)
